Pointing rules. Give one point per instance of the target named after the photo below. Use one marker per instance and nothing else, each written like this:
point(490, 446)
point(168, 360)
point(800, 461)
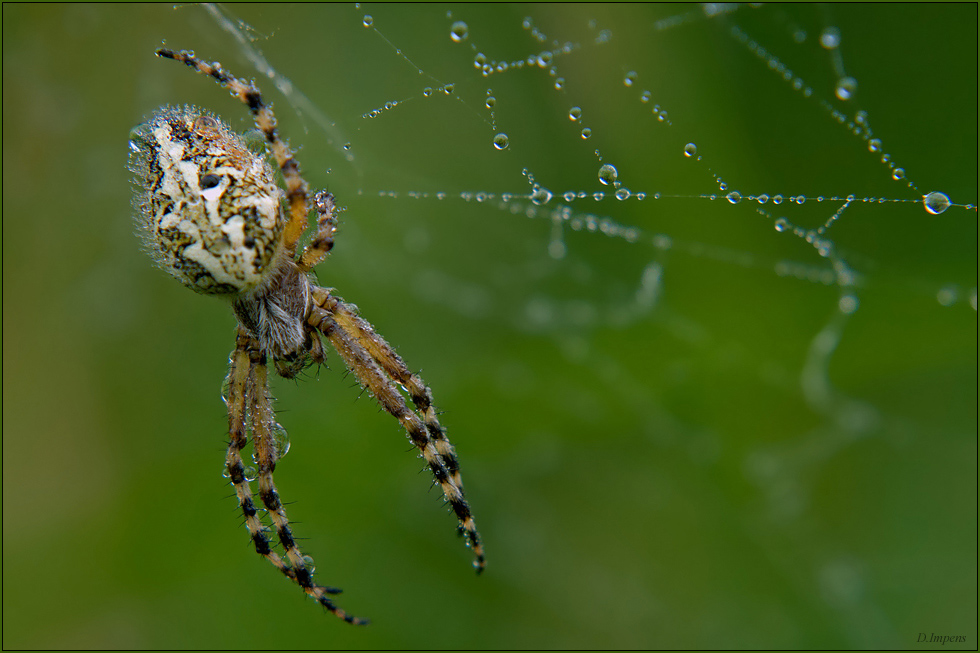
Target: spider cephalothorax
point(211, 214)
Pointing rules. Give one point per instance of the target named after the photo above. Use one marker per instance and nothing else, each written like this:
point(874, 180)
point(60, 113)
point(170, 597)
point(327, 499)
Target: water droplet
point(630, 78)
point(459, 32)
point(762, 199)
point(623, 194)
point(847, 304)
point(782, 224)
point(448, 88)
point(347, 146)
point(608, 174)
point(569, 195)
point(861, 117)
point(936, 202)
point(540, 195)
point(645, 96)
point(734, 197)
point(280, 440)
point(874, 145)
point(309, 564)
point(500, 141)
point(586, 132)
point(777, 199)
point(479, 60)
point(598, 196)
point(690, 150)
point(559, 83)
point(898, 173)
point(575, 114)
point(368, 20)
point(544, 59)
point(250, 473)
point(846, 86)
point(491, 101)
point(947, 295)
point(830, 38)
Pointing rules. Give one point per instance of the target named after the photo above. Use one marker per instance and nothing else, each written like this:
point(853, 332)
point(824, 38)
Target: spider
point(211, 213)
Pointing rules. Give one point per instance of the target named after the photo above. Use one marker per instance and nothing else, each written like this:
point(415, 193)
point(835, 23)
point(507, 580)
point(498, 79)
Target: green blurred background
point(649, 477)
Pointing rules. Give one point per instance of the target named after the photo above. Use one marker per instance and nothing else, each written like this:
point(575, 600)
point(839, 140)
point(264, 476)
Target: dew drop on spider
point(280, 439)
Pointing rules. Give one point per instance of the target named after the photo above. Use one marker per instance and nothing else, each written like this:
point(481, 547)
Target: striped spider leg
point(212, 215)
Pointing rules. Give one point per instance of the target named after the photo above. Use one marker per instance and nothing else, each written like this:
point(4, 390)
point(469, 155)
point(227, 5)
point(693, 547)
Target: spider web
point(742, 223)
point(741, 238)
point(698, 284)
point(682, 421)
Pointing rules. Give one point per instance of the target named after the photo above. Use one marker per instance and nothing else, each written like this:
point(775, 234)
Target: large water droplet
point(630, 78)
point(734, 197)
point(830, 38)
point(575, 114)
point(491, 100)
point(280, 440)
point(623, 194)
point(690, 149)
point(608, 174)
point(936, 202)
point(368, 20)
point(500, 141)
point(540, 195)
point(874, 145)
point(898, 174)
point(586, 132)
point(459, 32)
point(782, 224)
point(846, 86)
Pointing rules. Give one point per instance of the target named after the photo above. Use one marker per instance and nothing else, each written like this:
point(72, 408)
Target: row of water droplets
point(858, 124)
point(544, 59)
point(440, 88)
point(608, 175)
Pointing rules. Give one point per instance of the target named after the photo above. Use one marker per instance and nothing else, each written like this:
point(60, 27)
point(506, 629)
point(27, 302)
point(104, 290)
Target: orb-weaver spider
point(211, 214)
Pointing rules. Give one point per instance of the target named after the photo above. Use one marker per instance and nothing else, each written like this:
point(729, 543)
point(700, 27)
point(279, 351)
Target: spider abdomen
point(208, 208)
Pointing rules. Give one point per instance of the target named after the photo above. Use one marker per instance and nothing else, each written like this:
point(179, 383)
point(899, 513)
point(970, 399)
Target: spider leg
point(265, 120)
point(322, 242)
point(248, 399)
point(421, 395)
point(357, 344)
